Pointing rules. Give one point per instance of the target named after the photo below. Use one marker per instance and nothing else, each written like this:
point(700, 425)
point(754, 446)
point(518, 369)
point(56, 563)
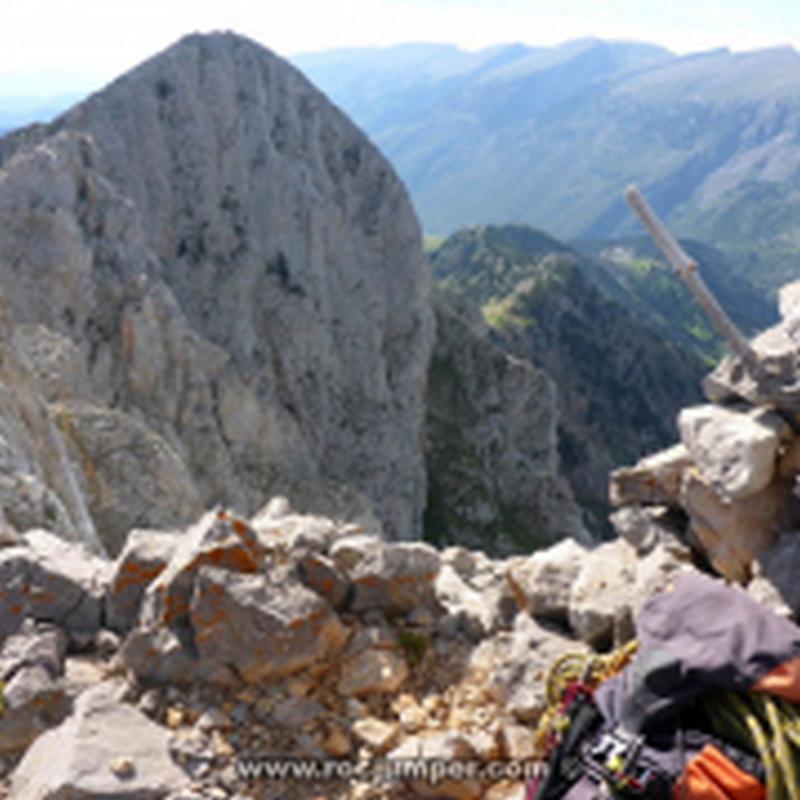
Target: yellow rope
point(587, 668)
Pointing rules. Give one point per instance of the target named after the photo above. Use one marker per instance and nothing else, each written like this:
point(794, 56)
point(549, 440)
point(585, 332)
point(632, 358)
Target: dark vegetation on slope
point(616, 331)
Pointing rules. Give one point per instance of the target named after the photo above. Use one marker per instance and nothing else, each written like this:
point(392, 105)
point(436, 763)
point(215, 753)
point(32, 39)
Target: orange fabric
point(783, 681)
point(712, 776)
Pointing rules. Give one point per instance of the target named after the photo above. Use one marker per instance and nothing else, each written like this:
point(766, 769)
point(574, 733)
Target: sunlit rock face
point(221, 254)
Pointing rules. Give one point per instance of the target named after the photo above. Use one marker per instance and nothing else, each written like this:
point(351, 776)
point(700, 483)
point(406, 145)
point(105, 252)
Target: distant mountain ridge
point(551, 136)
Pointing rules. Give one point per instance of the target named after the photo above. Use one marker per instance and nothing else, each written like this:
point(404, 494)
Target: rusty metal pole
point(688, 272)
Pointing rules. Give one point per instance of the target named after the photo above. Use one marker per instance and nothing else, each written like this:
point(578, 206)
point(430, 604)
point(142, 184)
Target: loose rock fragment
point(373, 672)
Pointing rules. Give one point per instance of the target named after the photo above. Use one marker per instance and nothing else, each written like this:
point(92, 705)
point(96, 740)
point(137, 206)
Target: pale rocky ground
point(287, 635)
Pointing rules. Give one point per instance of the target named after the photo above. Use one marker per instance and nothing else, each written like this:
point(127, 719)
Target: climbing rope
point(574, 669)
point(767, 725)
point(754, 721)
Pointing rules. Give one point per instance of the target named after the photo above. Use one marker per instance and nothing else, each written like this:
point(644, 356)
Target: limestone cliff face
point(74, 267)
point(38, 485)
point(217, 293)
point(243, 269)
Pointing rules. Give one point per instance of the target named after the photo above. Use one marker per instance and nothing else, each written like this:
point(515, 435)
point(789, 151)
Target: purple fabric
point(723, 637)
point(701, 636)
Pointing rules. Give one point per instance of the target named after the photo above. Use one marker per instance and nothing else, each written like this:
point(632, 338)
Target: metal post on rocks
point(688, 272)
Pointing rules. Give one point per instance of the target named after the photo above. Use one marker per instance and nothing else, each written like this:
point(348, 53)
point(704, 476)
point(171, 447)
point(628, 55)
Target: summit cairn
point(732, 487)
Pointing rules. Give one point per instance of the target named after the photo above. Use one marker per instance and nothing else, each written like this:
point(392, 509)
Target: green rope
point(767, 725)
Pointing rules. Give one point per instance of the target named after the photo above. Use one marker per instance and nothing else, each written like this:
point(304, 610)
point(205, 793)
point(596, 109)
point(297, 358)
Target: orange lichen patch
point(15, 608)
point(222, 514)
point(327, 584)
point(369, 581)
point(210, 619)
point(136, 576)
point(231, 558)
point(405, 580)
point(44, 597)
point(247, 537)
point(297, 623)
point(174, 607)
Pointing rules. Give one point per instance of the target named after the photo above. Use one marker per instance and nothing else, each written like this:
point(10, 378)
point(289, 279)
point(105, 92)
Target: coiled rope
point(754, 721)
point(766, 725)
point(588, 670)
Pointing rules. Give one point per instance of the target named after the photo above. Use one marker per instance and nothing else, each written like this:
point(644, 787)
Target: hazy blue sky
point(93, 40)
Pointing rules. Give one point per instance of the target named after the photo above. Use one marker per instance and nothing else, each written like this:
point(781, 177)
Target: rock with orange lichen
point(31, 665)
point(216, 614)
point(217, 540)
point(144, 557)
point(51, 580)
point(164, 655)
point(394, 577)
point(320, 574)
point(262, 626)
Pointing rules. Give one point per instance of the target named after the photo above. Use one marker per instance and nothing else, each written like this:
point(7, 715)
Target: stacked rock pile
point(731, 487)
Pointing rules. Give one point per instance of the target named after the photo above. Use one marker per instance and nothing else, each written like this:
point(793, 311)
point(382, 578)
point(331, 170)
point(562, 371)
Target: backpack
point(706, 707)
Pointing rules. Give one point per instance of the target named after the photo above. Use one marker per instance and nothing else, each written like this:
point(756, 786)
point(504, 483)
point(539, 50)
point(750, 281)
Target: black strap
point(582, 752)
point(565, 766)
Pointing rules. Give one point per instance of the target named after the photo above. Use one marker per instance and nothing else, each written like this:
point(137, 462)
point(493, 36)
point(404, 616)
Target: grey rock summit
point(216, 292)
point(209, 246)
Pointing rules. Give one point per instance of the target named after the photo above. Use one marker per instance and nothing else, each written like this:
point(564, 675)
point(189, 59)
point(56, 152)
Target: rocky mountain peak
point(239, 267)
point(209, 268)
